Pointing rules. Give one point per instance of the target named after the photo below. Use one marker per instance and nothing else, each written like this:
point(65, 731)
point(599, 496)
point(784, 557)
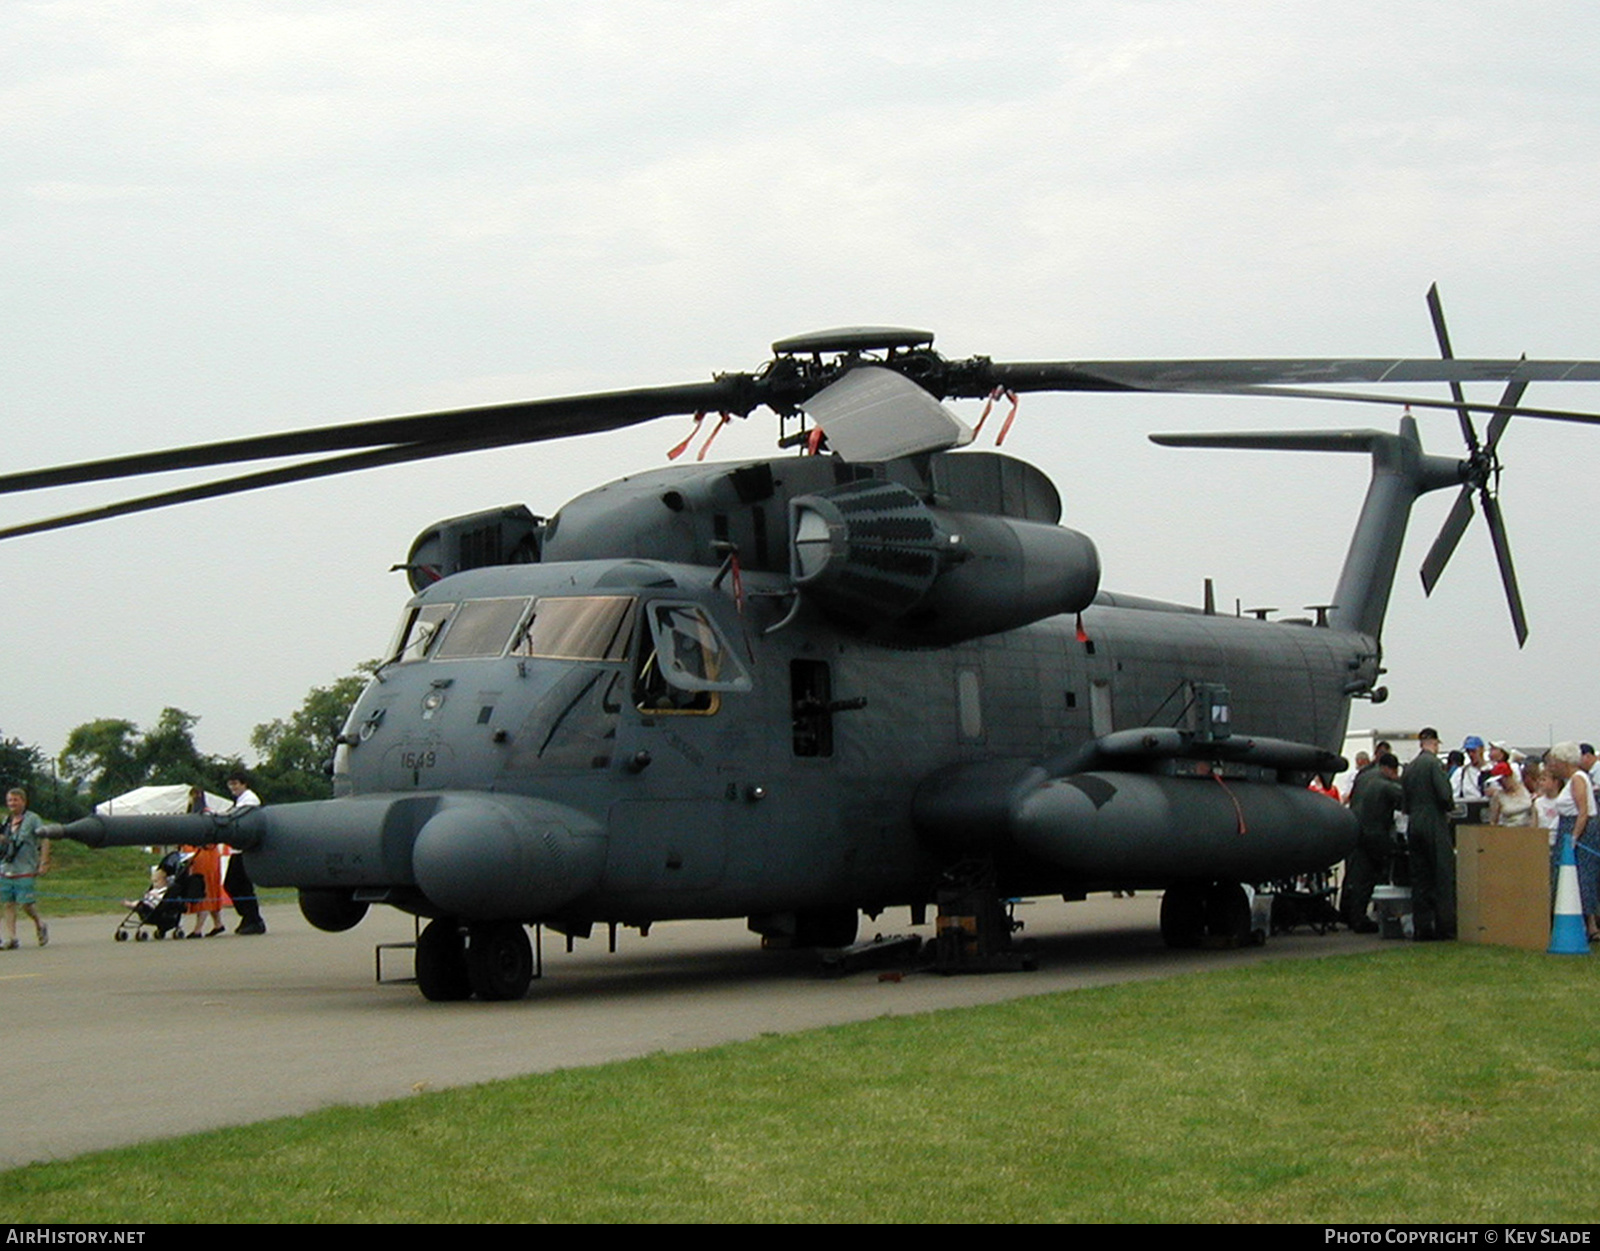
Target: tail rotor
point(1480, 475)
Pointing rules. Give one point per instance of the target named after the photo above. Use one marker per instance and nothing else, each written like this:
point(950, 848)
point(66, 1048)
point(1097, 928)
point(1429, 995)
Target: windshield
point(580, 627)
point(419, 630)
point(481, 628)
point(571, 627)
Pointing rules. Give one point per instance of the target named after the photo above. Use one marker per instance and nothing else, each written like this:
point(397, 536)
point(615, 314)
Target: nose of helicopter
point(506, 856)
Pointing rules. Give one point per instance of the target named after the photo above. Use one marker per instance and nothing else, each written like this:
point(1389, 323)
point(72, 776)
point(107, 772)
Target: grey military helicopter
point(873, 672)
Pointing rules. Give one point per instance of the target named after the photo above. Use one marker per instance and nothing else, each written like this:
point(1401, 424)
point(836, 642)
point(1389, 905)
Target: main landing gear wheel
point(826, 927)
point(1205, 914)
point(442, 962)
point(499, 960)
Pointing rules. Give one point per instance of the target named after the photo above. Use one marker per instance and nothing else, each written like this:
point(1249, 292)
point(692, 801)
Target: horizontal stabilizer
point(1279, 440)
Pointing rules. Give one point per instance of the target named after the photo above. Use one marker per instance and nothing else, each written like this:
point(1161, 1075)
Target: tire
point(499, 960)
point(1183, 915)
point(1227, 915)
point(441, 963)
point(1205, 914)
point(826, 927)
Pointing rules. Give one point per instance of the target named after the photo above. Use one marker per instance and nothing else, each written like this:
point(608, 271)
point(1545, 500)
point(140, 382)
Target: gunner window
point(689, 664)
point(691, 650)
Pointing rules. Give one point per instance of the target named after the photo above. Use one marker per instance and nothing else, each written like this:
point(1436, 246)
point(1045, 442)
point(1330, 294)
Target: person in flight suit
point(1433, 856)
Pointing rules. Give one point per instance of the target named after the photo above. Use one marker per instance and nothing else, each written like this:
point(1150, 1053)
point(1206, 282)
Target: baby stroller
point(162, 908)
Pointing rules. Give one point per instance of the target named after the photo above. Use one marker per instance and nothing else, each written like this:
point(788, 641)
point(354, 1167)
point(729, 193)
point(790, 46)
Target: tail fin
point(1401, 472)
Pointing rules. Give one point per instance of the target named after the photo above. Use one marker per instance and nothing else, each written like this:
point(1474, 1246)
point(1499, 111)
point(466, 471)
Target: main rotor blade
point(784, 385)
point(1401, 401)
point(1227, 375)
point(948, 430)
point(495, 425)
point(246, 482)
point(1508, 575)
point(1469, 433)
point(532, 421)
point(1455, 525)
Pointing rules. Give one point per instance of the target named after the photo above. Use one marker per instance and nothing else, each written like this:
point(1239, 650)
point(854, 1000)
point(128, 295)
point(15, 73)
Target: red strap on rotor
point(705, 447)
point(688, 439)
point(988, 407)
point(1010, 417)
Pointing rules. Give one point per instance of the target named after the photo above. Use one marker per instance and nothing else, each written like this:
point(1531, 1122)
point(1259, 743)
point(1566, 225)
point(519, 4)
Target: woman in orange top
point(206, 864)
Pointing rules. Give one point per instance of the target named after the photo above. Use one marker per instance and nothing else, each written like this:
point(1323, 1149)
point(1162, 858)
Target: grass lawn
point(1436, 1083)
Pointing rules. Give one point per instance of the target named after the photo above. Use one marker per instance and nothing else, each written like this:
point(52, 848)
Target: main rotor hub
point(853, 341)
point(805, 364)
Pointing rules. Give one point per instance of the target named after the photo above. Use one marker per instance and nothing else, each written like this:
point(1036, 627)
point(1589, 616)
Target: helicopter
point(873, 672)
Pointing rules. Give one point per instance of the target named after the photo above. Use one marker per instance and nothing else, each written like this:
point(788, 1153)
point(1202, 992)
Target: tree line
point(110, 756)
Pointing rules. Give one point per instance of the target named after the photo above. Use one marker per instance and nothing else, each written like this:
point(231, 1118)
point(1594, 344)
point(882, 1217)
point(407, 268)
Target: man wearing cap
point(1591, 764)
point(1428, 803)
point(1467, 781)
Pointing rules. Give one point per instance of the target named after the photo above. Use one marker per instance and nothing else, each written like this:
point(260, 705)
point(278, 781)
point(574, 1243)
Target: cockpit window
point(578, 627)
point(419, 630)
point(691, 652)
point(570, 627)
point(482, 628)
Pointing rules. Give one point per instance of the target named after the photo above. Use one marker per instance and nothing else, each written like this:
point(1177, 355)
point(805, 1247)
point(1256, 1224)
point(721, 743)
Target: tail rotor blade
point(1436, 310)
point(1508, 574)
point(1455, 525)
point(1497, 424)
point(1482, 468)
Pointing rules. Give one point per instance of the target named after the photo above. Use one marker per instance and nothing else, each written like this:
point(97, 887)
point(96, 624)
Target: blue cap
point(1472, 741)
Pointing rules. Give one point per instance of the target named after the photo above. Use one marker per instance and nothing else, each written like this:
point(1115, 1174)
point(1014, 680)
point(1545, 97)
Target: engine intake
point(875, 555)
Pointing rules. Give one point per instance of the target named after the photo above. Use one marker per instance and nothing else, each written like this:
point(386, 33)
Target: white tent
point(157, 800)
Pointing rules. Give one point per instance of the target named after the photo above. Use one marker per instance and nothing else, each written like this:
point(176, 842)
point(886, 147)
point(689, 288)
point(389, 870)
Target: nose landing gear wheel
point(442, 962)
point(499, 960)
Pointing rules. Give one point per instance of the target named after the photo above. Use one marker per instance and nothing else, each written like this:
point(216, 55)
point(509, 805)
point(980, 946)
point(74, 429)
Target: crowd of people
point(25, 858)
point(1412, 808)
point(215, 877)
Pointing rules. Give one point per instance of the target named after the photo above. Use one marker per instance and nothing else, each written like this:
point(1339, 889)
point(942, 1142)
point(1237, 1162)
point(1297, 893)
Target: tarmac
point(118, 1043)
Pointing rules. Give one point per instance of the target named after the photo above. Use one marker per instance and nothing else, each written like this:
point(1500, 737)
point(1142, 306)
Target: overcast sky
point(226, 218)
